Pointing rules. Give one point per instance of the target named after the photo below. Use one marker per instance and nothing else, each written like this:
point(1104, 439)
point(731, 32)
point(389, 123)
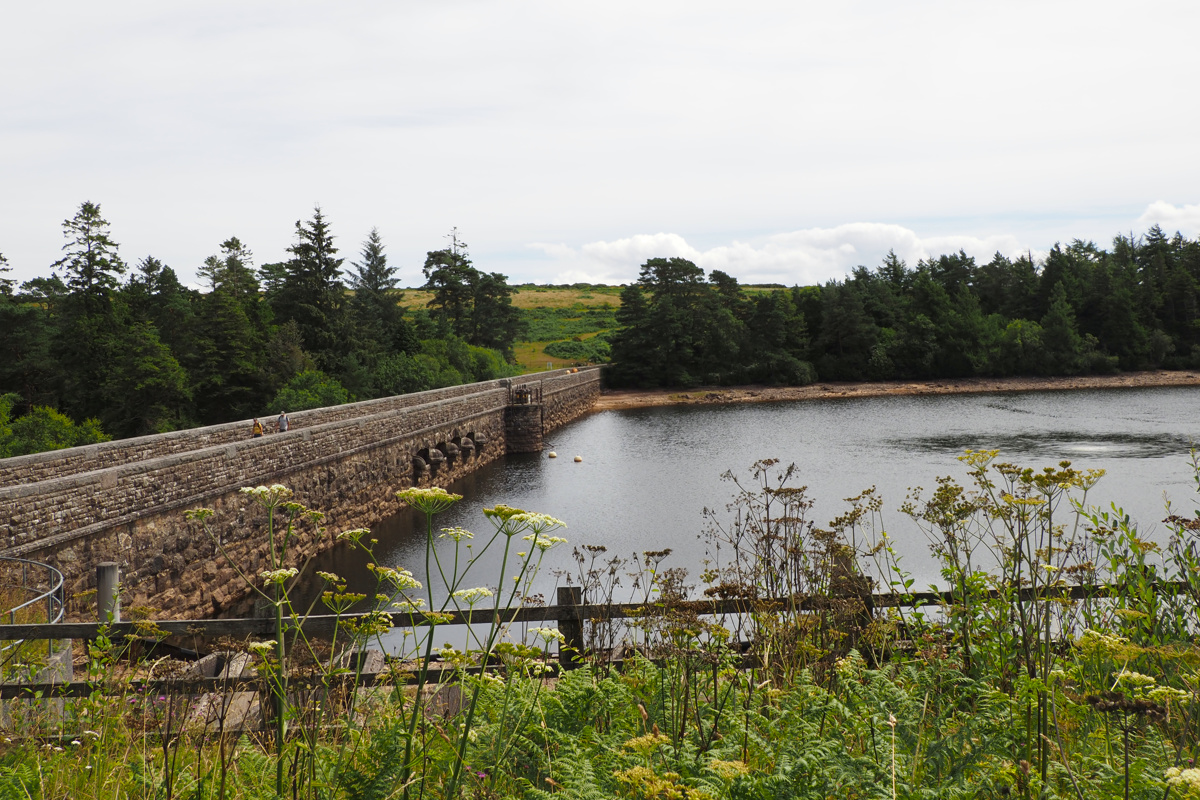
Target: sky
point(780, 142)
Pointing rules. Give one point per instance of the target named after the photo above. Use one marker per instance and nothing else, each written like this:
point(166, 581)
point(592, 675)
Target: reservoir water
point(647, 475)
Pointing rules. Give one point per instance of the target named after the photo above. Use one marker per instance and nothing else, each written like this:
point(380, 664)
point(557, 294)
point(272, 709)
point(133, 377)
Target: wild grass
point(553, 314)
point(528, 296)
point(1004, 691)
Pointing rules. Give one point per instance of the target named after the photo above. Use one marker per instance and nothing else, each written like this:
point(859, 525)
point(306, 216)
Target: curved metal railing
point(33, 592)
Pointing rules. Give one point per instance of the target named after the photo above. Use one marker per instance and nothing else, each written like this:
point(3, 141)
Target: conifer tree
point(91, 263)
point(1062, 344)
point(449, 274)
point(6, 284)
point(474, 305)
point(378, 317)
point(312, 292)
point(88, 334)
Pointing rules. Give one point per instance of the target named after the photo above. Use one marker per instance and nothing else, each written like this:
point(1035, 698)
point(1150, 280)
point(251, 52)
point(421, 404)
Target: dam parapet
point(123, 501)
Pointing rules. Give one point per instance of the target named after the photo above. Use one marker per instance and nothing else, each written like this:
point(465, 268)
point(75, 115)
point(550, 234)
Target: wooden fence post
point(108, 598)
point(570, 625)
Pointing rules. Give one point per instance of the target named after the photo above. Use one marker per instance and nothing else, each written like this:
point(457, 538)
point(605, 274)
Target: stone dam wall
point(124, 501)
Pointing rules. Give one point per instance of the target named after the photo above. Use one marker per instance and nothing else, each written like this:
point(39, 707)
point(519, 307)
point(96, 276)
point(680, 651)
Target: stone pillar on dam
point(524, 419)
point(523, 428)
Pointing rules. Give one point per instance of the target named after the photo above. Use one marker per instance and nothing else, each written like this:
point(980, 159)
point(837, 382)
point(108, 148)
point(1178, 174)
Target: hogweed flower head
point(1022, 501)
point(473, 596)
point(401, 578)
point(1092, 640)
point(268, 496)
point(407, 606)
point(1130, 613)
point(544, 543)
point(431, 500)
point(1136, 682)
point(341, 602)
point(263, 649)
point(538, 523)
point(373, 623)
point(1186, 779)
point(1166, 694)
point(354, 534)
point(548, 635)
point(456, 533)
point(300, 510)
point(501, 512)
point(647, 743)
point(278, 576)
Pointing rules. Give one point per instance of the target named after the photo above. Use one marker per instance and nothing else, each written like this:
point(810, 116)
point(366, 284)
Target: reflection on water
point(1054, 444)
point(648, 474)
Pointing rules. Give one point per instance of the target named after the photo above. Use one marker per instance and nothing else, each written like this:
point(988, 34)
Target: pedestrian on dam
point(281, 424)
point(257, 430)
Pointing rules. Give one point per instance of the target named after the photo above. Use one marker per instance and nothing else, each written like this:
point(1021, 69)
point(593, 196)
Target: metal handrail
point(48, 590)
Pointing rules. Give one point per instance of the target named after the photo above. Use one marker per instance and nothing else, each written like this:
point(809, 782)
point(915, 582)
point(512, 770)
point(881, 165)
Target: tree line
point(131, 350)
point(1081, 309)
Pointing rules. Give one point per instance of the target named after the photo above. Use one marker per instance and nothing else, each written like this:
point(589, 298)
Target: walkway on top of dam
point(54, 464)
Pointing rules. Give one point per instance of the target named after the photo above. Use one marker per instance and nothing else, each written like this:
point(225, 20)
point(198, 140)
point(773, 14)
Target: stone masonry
point(124, 501)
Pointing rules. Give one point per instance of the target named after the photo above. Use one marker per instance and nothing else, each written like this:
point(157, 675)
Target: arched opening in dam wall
point(124, 501)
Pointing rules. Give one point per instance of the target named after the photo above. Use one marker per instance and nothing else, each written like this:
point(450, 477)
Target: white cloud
point(1172, 218)
point(805, 257)
point(555, 122)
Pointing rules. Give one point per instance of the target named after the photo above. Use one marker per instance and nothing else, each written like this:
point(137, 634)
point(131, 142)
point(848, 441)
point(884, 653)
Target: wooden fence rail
point(324, 625)
point(569, 614)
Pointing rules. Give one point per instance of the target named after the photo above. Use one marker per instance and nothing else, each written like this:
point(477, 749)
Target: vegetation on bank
point(1082, 309)
point(1013, 690)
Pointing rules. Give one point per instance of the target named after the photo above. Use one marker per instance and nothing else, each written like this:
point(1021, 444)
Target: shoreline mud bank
point(615, 399)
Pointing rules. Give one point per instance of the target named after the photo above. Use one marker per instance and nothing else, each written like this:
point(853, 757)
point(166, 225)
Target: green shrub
point(42, 429)
point(594, 351)
point(548, 324)
point(310, 389)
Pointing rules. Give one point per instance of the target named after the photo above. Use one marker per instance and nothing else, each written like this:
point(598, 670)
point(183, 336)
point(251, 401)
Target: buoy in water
point(578, 458)
point(553, 454)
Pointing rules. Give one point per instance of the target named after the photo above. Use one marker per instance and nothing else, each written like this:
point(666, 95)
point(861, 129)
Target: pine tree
point(495, 322)
point(635, 358)
point(155, 294)
point(88, 332)
point(847, 335)
point(147, 391)
point(232, 269)
point(312, 292)
point(1063, 346)
point(449, 275)
point(6, 284)
point(379, 318)
point(91, 262)
point(474, 305)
